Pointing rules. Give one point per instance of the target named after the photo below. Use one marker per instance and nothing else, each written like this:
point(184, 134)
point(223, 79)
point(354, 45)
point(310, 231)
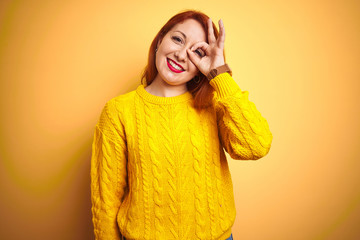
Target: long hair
point(202, 91)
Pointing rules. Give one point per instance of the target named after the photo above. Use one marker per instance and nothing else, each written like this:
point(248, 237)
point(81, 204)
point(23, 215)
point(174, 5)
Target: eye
point(200, 52)
point(177, 39)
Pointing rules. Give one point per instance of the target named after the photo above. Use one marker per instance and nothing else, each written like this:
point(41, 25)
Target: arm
point(243, 132)
point(108, 173)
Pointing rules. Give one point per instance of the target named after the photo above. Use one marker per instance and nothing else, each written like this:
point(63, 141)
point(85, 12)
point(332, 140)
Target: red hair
point(202, 91)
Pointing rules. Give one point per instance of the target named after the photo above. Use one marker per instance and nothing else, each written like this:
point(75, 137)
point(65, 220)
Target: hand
point(214, 50)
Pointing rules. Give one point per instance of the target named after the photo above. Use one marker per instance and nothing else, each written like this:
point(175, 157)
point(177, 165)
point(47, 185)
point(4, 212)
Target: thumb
point(192, 56)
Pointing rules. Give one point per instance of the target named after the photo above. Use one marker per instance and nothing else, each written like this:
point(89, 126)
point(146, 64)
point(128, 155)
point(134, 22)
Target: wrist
point(218, 70)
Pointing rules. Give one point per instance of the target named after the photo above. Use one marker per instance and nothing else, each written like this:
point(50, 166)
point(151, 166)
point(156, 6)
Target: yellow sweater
point(158, 167)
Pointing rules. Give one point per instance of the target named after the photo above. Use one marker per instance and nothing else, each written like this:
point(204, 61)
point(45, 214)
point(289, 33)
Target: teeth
point(175, 66)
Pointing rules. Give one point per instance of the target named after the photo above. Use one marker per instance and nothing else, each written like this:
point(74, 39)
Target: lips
point(173, 66)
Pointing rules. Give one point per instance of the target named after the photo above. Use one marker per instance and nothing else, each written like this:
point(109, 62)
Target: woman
point(158, 168)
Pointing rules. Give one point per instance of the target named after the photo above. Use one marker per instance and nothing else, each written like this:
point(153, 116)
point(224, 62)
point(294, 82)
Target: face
point(172, 62)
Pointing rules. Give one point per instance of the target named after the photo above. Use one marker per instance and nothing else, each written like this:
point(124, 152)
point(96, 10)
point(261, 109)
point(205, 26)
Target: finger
point(221, 38)
point(193, 58)
point(211, 36)
point(202, 45)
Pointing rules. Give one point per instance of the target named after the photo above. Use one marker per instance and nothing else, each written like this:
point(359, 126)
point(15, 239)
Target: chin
point(172, 80)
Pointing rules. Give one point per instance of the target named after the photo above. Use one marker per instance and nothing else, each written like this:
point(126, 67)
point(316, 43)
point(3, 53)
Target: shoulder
point(123, 99)
point(112, 115)
point(115, 109)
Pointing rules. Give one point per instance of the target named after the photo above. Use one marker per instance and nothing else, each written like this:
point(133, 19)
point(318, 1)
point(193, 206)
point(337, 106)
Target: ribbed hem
point(226, 235)
point(162, 100)
point(224, 85)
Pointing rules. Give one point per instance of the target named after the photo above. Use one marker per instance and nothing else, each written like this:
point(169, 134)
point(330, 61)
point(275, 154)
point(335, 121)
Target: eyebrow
point(182, 33)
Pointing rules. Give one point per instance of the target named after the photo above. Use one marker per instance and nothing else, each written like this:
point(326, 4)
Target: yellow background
point(60, 61)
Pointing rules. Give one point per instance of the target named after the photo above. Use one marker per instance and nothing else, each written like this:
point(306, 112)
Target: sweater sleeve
point(243, 132)
point(108, 173)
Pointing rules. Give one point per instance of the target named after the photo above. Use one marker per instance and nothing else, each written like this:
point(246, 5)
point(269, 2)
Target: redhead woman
point(158, 167)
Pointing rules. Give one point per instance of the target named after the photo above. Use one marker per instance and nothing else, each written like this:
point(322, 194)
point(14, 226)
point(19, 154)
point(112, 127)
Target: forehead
point(192, 29)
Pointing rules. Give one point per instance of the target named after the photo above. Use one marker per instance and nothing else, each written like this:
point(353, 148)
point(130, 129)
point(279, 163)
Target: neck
point(161, 89)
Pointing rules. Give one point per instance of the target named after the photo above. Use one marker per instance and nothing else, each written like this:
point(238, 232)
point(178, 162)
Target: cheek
point(159, 58)
point(193, 69)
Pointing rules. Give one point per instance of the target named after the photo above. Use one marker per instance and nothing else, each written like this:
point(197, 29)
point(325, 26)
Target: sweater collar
point(162, 100)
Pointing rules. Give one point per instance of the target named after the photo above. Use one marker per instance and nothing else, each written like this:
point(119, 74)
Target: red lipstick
point(172, 68)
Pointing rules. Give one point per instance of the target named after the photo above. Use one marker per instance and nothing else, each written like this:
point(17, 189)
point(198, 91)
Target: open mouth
point(174, 66)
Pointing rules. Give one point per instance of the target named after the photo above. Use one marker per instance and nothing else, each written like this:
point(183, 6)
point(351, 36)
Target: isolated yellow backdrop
point(60, 61)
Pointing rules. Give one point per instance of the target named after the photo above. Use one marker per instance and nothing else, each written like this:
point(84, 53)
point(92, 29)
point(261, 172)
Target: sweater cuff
point(224, 85)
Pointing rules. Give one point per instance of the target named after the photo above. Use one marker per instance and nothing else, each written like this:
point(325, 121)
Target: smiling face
point(172, 62)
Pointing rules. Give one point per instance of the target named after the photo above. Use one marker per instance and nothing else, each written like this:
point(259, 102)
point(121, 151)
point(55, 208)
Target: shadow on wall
point(79, 221)
point(85, 221)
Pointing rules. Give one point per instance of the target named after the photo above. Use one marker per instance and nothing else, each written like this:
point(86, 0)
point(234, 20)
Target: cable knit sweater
point(158, 167)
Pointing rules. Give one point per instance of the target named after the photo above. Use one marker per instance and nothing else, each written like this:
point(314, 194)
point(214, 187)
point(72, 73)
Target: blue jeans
point(230, 238)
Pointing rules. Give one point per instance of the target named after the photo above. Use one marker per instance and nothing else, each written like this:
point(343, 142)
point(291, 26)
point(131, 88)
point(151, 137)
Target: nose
point(181, 54)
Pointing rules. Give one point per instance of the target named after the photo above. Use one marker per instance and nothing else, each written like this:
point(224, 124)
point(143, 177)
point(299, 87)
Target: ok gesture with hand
point(214, 50)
